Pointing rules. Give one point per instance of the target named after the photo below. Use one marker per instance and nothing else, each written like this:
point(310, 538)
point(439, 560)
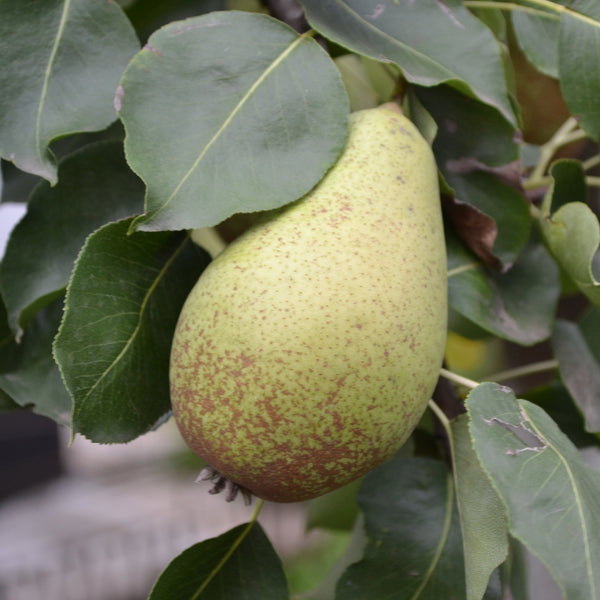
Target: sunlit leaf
point(113, 346)
point(552, 496)
point(229, 112)
point(61, 64)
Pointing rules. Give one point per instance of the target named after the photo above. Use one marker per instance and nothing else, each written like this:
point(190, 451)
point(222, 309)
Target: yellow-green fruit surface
point(306, 353)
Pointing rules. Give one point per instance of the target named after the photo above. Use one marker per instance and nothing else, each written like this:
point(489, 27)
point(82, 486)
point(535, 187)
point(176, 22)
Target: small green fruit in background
point(308, 350)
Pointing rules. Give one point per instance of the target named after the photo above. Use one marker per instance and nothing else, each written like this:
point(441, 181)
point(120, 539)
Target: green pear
point(308, 350)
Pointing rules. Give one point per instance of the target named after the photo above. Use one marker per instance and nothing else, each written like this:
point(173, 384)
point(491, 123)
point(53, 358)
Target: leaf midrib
point(47, 74)
point(274, 64)
point(443, 537)
point(578, 504)
point(77, 408)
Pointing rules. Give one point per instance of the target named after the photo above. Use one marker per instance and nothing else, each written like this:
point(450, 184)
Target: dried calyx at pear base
point(307, 351)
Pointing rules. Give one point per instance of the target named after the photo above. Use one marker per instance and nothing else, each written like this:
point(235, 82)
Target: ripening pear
point(308, 350)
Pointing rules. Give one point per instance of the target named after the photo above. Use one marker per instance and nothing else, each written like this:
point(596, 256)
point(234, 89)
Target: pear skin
point(308, 350)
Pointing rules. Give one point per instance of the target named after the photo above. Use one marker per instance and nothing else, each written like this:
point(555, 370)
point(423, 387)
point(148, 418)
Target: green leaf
point(62, 60)
point(555, 399)
point(482, 516)
point(552, 496)
point(475, 150)
point(518, 305)
point(28, 373)
point(95, 187)
point(414, 548)
point(572, 232)
point(16, 184)
point(240, 564)
point(359, 88)
point(580, 366)
point(579, 67)
point(193, 104)
point(537, 35)
point(431, 42)
point(113, 346)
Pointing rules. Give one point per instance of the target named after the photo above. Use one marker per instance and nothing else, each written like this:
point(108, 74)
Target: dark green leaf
point(198, 132)
point(482, 515)
point(414, 548)
point(113, 346)
point(558, 403)
point(518, 305)
point(568, 186)
point(16, 185)
point(552, 496)
point(579, 67)
point(580, 367)
point(62, 60)
point(95, 187)
point(572, 231)
point(432, 42)
point(515, 571)
point(241, 564)
point(476, 152)
point(28, 373)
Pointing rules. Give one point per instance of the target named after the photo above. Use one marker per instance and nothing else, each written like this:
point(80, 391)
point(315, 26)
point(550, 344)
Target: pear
point(307, 351)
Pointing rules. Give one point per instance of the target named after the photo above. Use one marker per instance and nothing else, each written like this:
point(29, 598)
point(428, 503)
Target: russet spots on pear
point(307, 352)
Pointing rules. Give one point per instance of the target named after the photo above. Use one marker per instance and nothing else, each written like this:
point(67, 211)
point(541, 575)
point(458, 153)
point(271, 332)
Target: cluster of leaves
point(230, 111)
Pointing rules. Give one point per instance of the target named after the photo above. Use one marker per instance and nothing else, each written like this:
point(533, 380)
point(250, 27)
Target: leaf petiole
point(510, 6)
point(458, 379)
point(531, 369)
